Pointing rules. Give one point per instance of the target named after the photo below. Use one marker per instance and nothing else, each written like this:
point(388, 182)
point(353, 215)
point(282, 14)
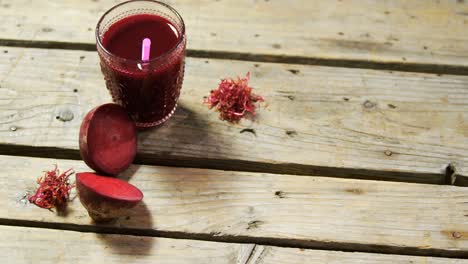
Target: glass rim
point(164, 55)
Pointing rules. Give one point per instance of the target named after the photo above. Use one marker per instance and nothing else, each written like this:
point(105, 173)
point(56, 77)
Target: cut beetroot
point(108, 139)
point(106, 198)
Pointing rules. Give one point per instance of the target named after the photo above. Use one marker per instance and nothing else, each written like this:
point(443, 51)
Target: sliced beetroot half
point(108, 139)
point(106, 198)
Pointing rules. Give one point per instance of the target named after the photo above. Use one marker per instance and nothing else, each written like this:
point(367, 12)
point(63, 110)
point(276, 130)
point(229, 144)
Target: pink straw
point(145, 49)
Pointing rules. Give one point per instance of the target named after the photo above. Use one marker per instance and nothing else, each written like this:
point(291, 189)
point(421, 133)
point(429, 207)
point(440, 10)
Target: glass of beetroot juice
point(144, 79)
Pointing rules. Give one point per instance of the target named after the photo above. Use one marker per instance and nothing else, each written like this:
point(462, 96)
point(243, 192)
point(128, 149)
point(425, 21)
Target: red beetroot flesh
point(108, 139)
point(112, 188)
point(105, 197)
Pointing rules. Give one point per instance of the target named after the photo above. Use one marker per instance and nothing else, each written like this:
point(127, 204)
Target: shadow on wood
point(131, 245)
point(129, 173)
point(171, 132)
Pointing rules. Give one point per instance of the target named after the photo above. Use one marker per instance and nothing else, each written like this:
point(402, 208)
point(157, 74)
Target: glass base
point(143, 125)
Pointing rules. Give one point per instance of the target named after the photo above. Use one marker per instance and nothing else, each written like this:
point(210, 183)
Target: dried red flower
point(234, 99)
point(54, 189)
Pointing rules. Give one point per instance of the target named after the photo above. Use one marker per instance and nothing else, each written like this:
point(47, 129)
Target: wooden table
point(360, 157)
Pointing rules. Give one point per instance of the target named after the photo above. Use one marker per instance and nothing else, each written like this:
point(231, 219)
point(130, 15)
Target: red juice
point(148, 90)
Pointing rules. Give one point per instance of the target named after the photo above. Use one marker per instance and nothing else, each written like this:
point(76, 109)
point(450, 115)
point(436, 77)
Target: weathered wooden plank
point(336, 121)
point(406, 32)
point(272, 255)
point(33, 245)
point(317, 212)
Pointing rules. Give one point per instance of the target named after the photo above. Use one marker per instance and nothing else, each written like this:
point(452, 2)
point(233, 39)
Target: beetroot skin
point(104, 197)
point(108, 139)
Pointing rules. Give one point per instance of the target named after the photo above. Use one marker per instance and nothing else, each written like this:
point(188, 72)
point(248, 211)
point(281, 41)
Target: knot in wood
point(368, 104)
point(65, 116)
point(388, 153)
point(456, 235)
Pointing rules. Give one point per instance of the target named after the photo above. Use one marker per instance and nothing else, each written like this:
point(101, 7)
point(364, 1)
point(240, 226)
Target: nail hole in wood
point(294, 71)
point(291, 133)
point(280, 194)
point(450, 174)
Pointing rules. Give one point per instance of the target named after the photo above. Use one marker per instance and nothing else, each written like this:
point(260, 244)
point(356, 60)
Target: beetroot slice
point(104, 197)
point(108, 139)
point(109, 187)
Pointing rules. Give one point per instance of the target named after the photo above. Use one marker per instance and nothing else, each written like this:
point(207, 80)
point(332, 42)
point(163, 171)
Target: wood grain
point(332, 121)
point(271, 209)
point(403, 32)
point(33, 245)
point(274, 255)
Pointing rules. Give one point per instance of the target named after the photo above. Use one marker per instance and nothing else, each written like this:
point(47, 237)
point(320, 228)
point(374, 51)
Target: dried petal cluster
point(54, 189)
point(234, 99)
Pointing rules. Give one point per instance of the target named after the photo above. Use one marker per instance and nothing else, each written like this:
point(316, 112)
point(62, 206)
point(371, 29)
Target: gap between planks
point(449, 178)
point(258, 241)
point(319, 61)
